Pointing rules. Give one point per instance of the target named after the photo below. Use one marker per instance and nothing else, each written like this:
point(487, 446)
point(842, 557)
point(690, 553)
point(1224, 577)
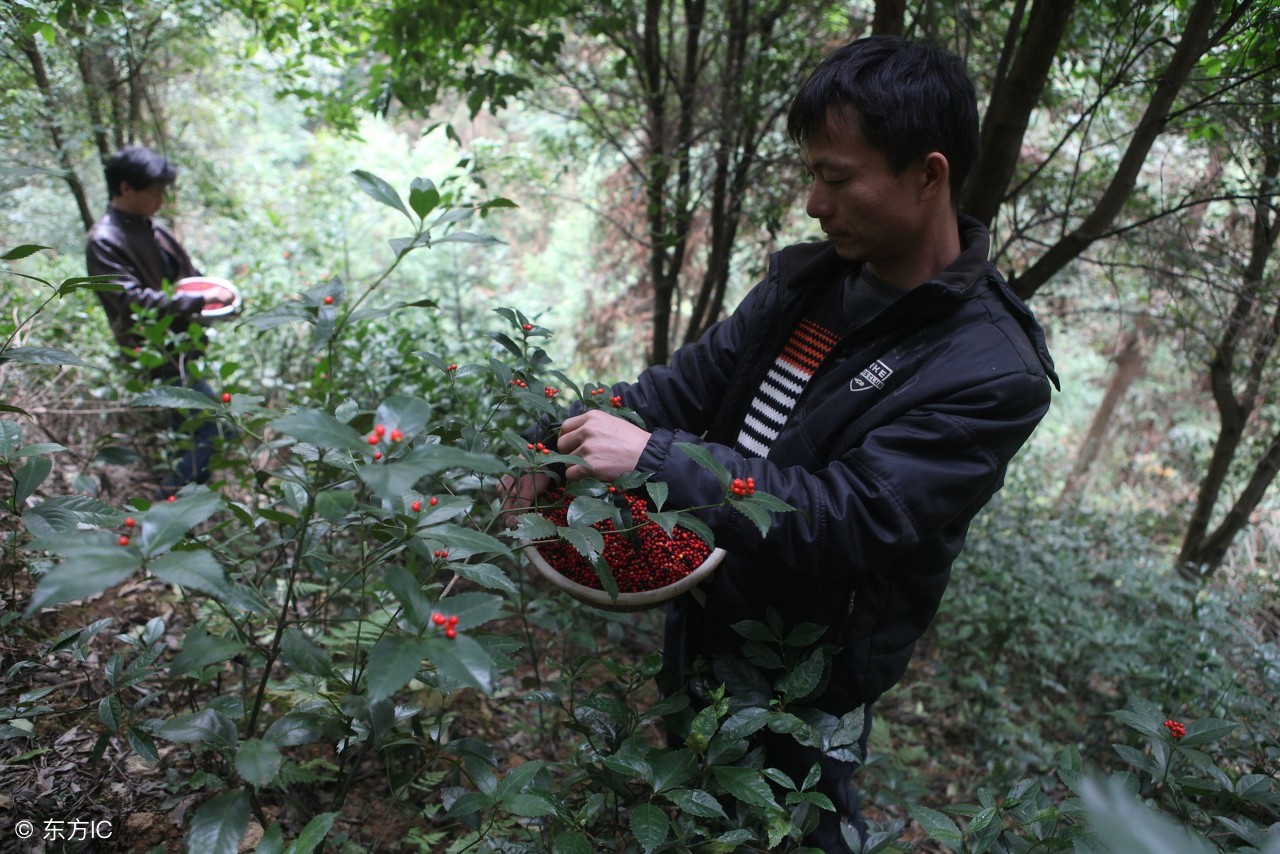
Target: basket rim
point(637, 601)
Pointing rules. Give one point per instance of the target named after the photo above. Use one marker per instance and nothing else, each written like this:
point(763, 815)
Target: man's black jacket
point(901, 436)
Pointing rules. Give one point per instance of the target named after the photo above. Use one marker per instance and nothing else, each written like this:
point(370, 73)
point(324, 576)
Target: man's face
point(145, 202)
point(870, 213)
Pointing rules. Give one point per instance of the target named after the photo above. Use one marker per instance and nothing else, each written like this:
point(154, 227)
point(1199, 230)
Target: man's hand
point(610, 445)
point(519, 494)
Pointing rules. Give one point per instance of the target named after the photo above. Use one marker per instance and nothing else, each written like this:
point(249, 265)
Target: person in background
point(143, 257)
point(878, 381)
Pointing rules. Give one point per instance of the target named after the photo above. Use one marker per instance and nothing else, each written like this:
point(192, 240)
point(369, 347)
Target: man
point(144, 256)
point(879, 381)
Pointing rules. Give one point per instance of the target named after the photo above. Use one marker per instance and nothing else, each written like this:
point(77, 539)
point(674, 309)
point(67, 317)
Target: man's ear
point(935, 175)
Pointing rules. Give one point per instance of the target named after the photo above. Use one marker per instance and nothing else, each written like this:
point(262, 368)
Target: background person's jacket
point(142, 255)
point(900, 437)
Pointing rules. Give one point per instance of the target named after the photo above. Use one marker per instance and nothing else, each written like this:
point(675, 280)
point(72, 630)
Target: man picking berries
point(142, 255)
point(879, 381)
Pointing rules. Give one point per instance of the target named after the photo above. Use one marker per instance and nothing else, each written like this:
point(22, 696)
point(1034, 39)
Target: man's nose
point(819, 204)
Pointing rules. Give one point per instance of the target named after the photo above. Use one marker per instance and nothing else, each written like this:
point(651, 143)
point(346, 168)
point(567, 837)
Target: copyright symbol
point(24, 829)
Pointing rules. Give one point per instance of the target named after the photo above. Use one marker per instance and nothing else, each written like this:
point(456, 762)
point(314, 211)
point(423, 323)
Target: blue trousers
point(193, 465)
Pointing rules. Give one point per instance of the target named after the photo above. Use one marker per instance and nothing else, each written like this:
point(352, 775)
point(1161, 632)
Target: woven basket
point(639, 601)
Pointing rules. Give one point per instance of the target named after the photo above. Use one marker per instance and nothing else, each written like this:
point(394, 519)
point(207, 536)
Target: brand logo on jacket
point(872, 376)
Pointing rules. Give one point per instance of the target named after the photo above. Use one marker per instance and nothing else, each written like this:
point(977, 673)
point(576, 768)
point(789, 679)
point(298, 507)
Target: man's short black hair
point(910, 100)
point(138, 165)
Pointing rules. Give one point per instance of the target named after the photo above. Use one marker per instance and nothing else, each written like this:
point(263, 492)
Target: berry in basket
point(646, 561)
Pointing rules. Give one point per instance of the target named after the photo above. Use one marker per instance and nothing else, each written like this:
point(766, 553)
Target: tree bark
point(32, 51)
point(890, 18)
point(1203, 551)
point(1013, 99)
point(1130, 364)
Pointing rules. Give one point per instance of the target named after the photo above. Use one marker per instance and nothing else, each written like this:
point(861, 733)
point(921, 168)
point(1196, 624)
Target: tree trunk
point(890, 18)
point(1130, 364)
point(1203, 551)
point(1191, 46)
point(41, 75)
point(1013, 99)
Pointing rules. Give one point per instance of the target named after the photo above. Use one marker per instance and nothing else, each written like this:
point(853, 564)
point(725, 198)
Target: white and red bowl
point(213, 310)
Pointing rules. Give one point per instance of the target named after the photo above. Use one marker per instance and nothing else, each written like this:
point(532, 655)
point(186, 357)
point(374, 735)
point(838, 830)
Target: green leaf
point(296, 727)
point(571, 842)
point(703, 457)
point(194, 570)
point(166, 523)
point(657, 493)
point(463, 660)
point(334, 505)
point(302, 654)
point(22, 251)
point(409, 594)
point(463, 542)
point(758, 516)
point(380, 190)
point(28, 478)
point(41, 356)
point(650, 826)
point(204, 726)
point(938, 826)
point(219, 825)
point(745, 784)
point(423, 196)
point(801, 680)
point(392, 663)
point(65, 513)
point(486, 575)
point(175, 397)
point(320, 429)
point(200, 649)
point(141, 742)
point(94, 563)
point(258, 762)
point(696, 802)
point(313, 834)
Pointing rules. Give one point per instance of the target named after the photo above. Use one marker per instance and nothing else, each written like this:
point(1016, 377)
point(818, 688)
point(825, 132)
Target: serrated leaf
point(392, 663)
point(696, 802)
point(194, 570)
point(258, 762)
point(320, 429)
point(313, 834)
point(200, 649)
point(938, 826)
point(220, 824)
point(704, 458)
point(745, 784)
point(93, 564)
point(41, 356)
point(379, 190)
point(303, 654)
point(174, 397)
point(28, 478)
point(650, 826)
point(463, 660)
point(65, 513)
point(165, 524)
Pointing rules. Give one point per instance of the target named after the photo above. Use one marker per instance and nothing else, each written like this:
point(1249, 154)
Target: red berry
point(328, 300)
point(528, 327)
point(453, 619)
point(172, 498)
point(451, 368)
point(451, 633)
point(433, 501)
point(124, 541)
point(226, 397)
point(377, 455)
point(396, 435)
point(373, 438)
point(438, 618)
point(380, 429)
point(417, 505)
point(129, 522)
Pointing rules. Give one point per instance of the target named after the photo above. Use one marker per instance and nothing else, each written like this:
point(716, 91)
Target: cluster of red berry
point(551, 392)
point(743, 488)
point(450, 624)
point(539, 447)
point(519, 382)
point(417, 505)
point(130, 523)
point(1176, 729)
point(441, 554)
point(379, 431)
point(616, 401)
point(658, 561)
point(451, 368)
